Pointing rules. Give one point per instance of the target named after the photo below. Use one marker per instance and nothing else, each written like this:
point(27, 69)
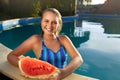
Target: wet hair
point(55, 11)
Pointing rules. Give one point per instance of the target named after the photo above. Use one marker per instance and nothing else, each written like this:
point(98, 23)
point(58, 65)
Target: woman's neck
point(49, 37)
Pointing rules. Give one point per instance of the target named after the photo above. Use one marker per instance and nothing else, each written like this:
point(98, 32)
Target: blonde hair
point(55, 11)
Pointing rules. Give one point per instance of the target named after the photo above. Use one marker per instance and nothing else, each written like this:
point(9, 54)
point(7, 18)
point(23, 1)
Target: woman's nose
point(49, 25)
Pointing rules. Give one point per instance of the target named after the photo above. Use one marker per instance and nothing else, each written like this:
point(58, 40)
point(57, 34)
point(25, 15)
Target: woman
point(50, 46)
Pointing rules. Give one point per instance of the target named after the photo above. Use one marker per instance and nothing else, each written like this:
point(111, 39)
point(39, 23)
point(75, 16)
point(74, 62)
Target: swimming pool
point(96, 39)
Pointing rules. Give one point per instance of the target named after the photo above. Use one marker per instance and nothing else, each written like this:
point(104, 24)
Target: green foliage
point(36, 8)
point(66, 7)
point(33, 8)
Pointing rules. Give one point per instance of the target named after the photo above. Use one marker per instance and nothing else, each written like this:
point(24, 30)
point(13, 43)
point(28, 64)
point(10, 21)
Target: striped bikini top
point(58, 59)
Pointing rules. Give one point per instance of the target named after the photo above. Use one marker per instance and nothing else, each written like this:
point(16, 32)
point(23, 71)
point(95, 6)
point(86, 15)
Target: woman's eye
point(54, 22)
point(46, 21)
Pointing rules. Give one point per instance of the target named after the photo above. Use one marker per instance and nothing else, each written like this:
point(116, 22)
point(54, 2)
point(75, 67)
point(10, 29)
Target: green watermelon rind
point(37, 76)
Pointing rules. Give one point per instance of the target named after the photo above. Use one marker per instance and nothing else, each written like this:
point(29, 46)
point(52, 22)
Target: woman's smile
point(49, 29)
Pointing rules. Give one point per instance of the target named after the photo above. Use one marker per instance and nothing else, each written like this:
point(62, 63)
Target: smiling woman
point(42, 46)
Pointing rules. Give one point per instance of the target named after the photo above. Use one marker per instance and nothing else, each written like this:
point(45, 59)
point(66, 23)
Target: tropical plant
point(36, 8)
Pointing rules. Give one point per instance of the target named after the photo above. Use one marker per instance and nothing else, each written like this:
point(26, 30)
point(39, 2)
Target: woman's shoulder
point(64, 38)
point(35, 37)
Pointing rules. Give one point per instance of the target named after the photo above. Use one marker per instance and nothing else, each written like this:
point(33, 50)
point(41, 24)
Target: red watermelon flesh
point(34, 68)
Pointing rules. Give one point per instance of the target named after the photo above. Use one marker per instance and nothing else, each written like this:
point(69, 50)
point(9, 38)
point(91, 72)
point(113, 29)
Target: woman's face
point(49, 23)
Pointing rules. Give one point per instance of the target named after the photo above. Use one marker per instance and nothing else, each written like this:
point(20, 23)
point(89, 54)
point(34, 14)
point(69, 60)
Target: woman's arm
point(24, 47)
point(75, 55)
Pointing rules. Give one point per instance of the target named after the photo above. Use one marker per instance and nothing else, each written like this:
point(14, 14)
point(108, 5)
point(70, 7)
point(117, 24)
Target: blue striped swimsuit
point(58, 59)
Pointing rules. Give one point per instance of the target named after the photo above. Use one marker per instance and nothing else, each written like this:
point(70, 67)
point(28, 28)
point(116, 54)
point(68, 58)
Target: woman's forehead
point(50, 15)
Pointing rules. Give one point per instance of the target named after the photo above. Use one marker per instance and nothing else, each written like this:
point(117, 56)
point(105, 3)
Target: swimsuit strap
point(58, 59)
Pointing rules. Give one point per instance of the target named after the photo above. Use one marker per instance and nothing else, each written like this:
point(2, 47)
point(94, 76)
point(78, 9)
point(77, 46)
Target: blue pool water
point(98, 41)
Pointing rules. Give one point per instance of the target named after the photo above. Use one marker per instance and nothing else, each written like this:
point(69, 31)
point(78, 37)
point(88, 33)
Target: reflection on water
point(98, 41)
point(101, 51)
point(78, 32)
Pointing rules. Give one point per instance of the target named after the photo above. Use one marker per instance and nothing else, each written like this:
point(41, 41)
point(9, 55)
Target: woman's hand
point(56, 76)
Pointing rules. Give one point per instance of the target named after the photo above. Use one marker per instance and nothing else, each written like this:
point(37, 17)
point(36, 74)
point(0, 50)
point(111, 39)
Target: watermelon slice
point(34, 68)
